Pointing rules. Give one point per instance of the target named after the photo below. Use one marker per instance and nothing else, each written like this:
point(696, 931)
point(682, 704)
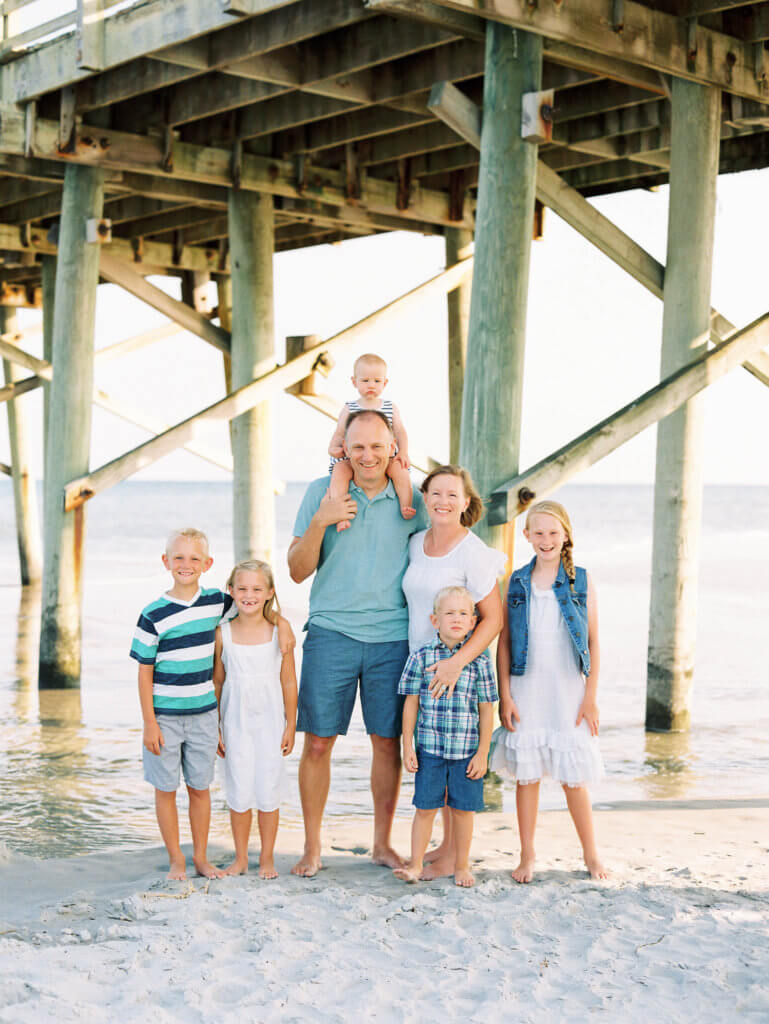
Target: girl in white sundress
point(547, 664)
point(256, 689)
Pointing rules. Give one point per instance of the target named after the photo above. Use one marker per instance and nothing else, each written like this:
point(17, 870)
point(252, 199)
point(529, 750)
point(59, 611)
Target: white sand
point(681, 933)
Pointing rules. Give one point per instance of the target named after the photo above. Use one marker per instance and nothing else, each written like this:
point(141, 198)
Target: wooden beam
point(118, 407)
point(18, 388)
point(651, 38)
point(122, 83)
point(134, 33)
point(213, 166)
point(122, 274)
point(513, 497)
point(138, 341)
point(463, 115)
point(245, 398)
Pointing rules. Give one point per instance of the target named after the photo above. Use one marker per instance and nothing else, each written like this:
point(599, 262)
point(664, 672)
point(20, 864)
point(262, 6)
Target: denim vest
point(573, 608)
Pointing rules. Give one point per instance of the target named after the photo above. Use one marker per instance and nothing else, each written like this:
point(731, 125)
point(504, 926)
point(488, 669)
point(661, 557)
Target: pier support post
point(459, 243)
point(69, 428)
point(252, 243)
point(685, 330)
point(493, 391)
point(24, 491)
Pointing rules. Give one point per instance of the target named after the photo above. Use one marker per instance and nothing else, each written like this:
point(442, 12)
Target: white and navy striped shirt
point(177, 637)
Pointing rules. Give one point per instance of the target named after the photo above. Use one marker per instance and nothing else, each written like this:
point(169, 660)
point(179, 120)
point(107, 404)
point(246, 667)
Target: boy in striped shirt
point(174, 645)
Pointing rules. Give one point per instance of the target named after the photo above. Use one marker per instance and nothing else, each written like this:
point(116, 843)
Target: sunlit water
point(70, 764)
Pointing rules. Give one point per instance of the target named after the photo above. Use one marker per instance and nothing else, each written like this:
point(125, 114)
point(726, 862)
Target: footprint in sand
point(357, 850)
point(229, 993)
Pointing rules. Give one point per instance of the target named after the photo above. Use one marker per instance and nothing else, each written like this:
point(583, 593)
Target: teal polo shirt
point(357, 585)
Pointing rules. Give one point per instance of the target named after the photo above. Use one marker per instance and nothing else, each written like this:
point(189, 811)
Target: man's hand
point(335, 510)
point(508, 714)
point(410, 762)
point(445, 675)
point(589, 711)
point(153, 737)
point(476, 769)
point(287, 741)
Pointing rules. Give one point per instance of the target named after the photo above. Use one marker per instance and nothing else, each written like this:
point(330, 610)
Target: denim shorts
point(189, 746)
point(332, 666)
point(436, 775)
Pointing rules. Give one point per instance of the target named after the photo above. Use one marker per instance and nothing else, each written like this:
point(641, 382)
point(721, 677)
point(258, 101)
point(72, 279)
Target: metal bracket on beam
point(691, 44)
point(98, 229)
point(618, 16)
point(137, 246)
point(537, 116)
point(177, 246)
point(67, 120)
point(300, 172)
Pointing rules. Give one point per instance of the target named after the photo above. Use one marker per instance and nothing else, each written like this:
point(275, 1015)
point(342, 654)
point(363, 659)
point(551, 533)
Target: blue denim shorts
point(436, 775)
point(332, 667)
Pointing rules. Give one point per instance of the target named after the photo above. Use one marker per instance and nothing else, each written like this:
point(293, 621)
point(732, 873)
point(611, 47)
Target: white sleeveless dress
point(548, 695)
point(253, 720)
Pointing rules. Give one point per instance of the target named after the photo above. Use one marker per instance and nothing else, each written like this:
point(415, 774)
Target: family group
point(405, 602)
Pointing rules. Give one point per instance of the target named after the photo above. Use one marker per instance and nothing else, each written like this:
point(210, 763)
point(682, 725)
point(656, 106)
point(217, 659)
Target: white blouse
point(470, 563)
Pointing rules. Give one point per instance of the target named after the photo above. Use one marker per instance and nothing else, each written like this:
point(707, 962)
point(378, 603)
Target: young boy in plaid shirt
point(452, 734)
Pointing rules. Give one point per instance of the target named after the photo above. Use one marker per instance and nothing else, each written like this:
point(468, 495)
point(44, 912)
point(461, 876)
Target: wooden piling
point(459, 243)
point(252, 243)
point(685, 331)
point(24, 491)
point(48, 276)
point(493, 391)
point(69, 435)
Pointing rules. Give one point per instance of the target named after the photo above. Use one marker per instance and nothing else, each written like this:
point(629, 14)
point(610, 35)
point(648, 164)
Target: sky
point(593, 344)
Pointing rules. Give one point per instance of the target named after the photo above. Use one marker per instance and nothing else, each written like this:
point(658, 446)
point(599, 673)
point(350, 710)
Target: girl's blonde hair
point(474, 510)
point(556, 509)
point(271, 608)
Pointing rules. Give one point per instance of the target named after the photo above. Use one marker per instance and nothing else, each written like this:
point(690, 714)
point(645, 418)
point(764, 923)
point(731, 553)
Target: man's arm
point(304, 551)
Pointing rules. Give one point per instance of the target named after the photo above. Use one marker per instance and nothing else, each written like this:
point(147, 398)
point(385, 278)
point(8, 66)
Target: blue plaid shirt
point(448, 726)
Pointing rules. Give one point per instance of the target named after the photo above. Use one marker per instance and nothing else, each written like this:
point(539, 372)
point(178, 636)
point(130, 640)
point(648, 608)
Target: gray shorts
point(190, 743)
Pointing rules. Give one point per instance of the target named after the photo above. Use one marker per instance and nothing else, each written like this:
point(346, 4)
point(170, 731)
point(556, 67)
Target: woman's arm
point(490, 621)
point(589, 707)
point(288, 685)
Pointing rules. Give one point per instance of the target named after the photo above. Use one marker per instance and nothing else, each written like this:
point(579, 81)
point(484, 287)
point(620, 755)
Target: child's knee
point(198, 794)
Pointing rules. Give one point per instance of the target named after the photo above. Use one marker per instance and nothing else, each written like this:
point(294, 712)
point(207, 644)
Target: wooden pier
point(195, 138)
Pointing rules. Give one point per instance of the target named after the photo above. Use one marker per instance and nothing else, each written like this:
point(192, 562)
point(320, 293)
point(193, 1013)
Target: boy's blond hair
point(445, 592)
point(371, 360)
point(191, 533)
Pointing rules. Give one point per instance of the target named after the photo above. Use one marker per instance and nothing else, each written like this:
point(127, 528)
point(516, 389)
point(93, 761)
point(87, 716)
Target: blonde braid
point(568, 562)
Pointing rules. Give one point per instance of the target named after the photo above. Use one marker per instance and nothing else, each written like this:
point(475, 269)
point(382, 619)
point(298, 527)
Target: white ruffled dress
point(548, 695)
point(253, 721)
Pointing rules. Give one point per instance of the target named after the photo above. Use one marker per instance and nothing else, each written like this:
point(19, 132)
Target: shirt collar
point(438, 644)
point(388, 492)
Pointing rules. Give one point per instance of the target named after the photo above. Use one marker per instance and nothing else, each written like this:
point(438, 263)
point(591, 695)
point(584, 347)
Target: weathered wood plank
point(122, 274)
point(512, 497)
point(245, 398)
point(650, 37)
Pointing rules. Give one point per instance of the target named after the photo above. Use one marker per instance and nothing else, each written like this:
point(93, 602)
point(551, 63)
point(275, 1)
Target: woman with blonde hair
point(449, 554)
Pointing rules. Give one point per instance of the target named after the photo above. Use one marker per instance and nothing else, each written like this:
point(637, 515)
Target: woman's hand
point(589, 711)
point(508, 713)
point(445, 676)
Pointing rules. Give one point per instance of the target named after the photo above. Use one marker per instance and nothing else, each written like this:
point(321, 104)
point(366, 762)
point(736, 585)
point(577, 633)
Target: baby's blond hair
point(446, 592)
point(271, 608)
point(556, 509)
point(370, 359)
point(190, 533)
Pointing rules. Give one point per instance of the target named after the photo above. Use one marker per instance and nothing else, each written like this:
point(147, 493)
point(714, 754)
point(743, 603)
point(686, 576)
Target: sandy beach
point(680, 933)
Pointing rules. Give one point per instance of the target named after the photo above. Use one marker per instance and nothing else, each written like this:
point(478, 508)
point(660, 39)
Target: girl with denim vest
point(547, 665)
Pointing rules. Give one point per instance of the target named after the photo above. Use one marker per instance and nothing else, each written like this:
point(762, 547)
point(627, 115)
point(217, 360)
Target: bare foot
point(207, 870)
point(408, 512)
point(596, 868)
point(267, 868)
point(387, 858)
point(238, 867)
point(525, 870)
point(432, 855)
point(343, 524)
point(409, 873)
point(464, 877)
point(308, 866)
point(177, 871)
point(441, 868)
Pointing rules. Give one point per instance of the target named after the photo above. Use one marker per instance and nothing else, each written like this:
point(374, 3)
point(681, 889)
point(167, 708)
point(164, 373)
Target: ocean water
point(70, 761)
